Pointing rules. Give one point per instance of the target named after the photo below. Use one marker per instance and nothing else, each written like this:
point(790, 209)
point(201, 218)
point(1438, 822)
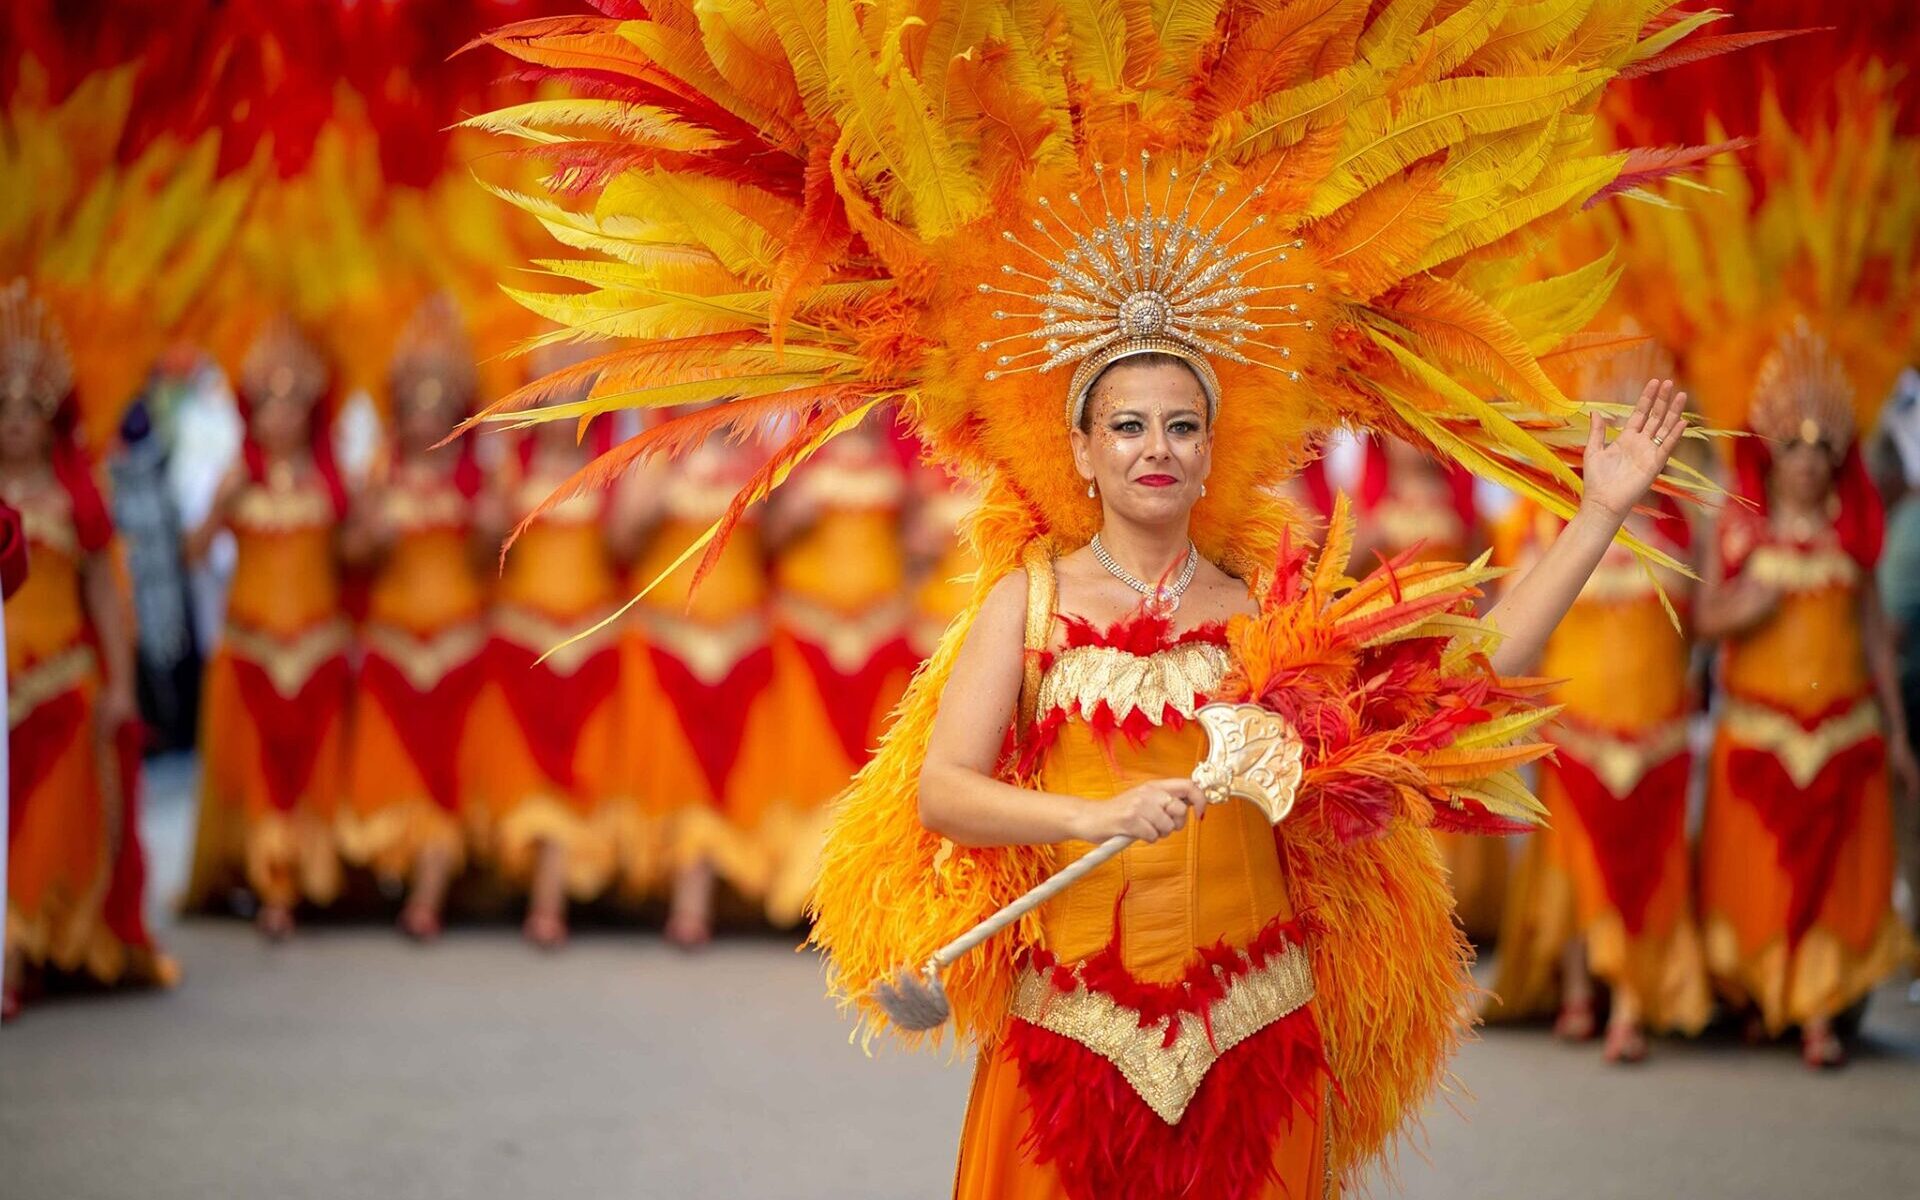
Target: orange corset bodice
point(559, 566)
point(1808, 656)
point(428, 581)
point(1623, 665)
point(46, 617)
point(1218, 880)
point(736, 587)
point(285, 577)
point(849, 561)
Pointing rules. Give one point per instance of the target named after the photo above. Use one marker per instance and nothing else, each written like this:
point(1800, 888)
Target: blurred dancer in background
point(411, 758)
point(841, 652)
point(1896, 466)
point(704, 745)
point(549, 717)
point(1408, 502)
point(1797, 855)
point(75, 873)
point(275, 699)
point(1605, 890)
point(945, 563)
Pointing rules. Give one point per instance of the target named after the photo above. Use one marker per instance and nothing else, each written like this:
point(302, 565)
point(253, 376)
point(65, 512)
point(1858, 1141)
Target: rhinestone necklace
point(1161, 601)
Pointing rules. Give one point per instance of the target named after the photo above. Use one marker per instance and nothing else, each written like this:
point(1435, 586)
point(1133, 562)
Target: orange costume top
point(73, 903)
point(948, 585)
point(552, 728)
point(700, 676)
point(1796, 858)
point(1613, 865)
point(411, 762)
point(274, 709)
point(842, 656)
point(1169, 1014)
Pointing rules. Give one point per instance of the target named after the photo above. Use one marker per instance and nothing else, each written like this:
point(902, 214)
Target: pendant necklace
point(1162, 601)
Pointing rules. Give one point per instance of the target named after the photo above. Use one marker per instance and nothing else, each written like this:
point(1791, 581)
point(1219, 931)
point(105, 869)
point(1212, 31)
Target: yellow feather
point(724, 217)
point(1546, 311)
point(642, 124)
point(1284, 118)
point(1527, 34)
point(1560, 186)
point(1441, 49)
point(945, 190)
point(801, 26)
point(1667, 38)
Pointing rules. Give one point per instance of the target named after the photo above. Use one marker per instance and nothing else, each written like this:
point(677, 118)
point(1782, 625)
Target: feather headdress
point(791, 206)
point(433, 363)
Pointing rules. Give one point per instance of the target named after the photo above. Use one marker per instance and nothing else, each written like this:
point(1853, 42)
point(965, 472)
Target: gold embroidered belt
point(1792, 569)
point(47, 679)
point(425, 661)
point(543, 635)
point(1620, 763)
point(1176, 677)
point(1802, 751)
point(289, 662)
point(709, 651)
point(277, 510)
point(1166, 1076)
point(849, 640)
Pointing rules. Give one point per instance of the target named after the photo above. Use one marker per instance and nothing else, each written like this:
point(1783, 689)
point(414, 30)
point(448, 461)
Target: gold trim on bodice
point(1620, 761)
point(1177, 677)
point(1167, 1077)
point(50, 525)
point(47, 679)
point(1432, 523)
point(1802, 751)
point(583, 509)
point(849, 639)
point(544, 635)
point(854, 486)
point(412, 509)
point(710, 652)
point(265, 508)
point(1797, 569)
point(289, 662)
point(425, 661)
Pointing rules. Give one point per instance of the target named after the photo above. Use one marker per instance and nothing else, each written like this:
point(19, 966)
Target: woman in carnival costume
point(75, 871)
point(1797, 855)
point(412, 770)
point(549, 718)
point(832, 207)
point(274, 706)
point(1606, 889)
point(707, 753)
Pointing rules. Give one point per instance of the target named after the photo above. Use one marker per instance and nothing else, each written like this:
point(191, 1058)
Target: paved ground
point(349, 1064)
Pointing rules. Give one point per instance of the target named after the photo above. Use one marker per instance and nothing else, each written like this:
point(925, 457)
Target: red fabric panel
point(35, 744)
point(13, 551)
point(291, 728)
point(552, 709)
point(850, 700)
point(431, 724)
point(713, 717)
point(1630, 834)
point(124, 906)
point(1809, 826)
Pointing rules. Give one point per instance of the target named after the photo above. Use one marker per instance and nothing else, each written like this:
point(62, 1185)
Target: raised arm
point(1617, 474)
point(959, 796)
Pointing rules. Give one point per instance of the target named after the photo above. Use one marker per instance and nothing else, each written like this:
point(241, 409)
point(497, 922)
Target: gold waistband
point(1167, 1077)
point(709, 651)
point(850, 641)
point(1797, 569)
point(289, 662)
point(1802, 751)
point(425, 661)
point(1177, 677)
point(47, 679)
point(1620, 763)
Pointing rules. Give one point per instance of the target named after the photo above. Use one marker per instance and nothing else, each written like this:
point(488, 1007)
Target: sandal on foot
point(1576, 1022)
point(420, 923)
point(1626, 1045)
point(1823, 1053)
point(545, 930)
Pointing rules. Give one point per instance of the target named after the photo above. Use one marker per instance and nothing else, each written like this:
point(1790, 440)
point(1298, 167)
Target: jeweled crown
point(34, 362)
point(1145, 278)
point(283, 362)
point(1803, 392)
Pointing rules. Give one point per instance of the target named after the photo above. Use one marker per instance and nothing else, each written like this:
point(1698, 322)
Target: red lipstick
point(1157, 481)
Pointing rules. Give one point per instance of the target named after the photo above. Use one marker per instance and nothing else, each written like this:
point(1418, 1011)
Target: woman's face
point(1803, 473)
point(423, 420)
point(280, 424)
point(25, 432)
point(1147, 446)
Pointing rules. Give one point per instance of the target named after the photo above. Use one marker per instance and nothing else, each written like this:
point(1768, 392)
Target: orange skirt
point(997, 1160)
point(75, 884)
point(829, 724)
point(551, 746)
point(1636, 914)
point(707, 756)
point(412, 762)
point(271, 773)
point(1756, 884)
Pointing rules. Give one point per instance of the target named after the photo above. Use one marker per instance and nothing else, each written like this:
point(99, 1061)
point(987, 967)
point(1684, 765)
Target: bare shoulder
point(1221, 594)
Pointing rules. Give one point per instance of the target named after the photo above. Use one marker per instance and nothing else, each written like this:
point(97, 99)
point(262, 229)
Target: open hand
point(1619, 472)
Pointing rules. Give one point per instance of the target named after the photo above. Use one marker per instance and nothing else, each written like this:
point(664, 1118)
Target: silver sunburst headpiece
point(1147, 281)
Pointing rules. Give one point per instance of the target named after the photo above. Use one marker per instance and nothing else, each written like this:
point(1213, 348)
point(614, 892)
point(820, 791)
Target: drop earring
point(1203, 489)
point(1090, 491)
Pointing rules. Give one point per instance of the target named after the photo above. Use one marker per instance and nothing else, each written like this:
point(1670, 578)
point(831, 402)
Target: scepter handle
point(1039, 894)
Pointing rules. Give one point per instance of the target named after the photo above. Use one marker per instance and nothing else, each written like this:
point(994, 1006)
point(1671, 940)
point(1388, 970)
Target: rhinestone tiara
point(1146, 279)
